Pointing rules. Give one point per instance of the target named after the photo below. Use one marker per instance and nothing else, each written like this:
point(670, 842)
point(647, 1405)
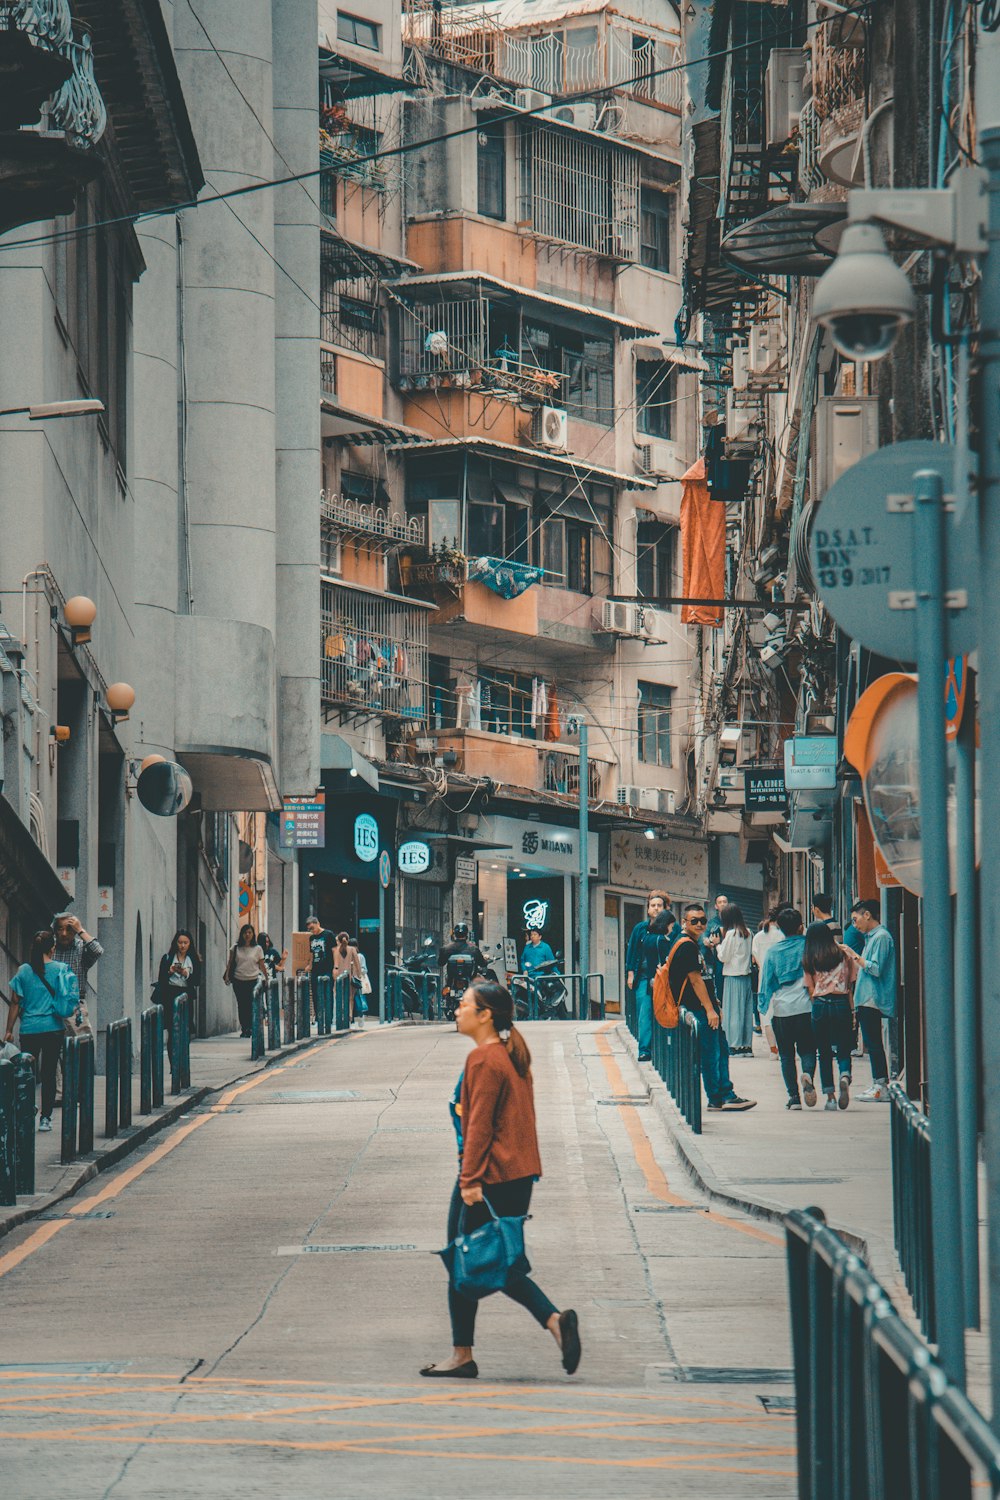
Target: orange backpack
point(665, 1003)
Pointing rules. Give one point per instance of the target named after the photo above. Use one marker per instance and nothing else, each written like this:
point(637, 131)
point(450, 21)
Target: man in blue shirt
point(874, 992)
point(535, 953)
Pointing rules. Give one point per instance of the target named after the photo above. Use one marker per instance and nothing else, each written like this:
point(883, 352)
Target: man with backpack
point(692, 988)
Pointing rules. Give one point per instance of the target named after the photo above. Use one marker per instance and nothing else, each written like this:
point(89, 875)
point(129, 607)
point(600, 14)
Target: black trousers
point(509, 1199)
point(870, 1021)
point(244, 989)
point(791, 1032)
point(46, 1048)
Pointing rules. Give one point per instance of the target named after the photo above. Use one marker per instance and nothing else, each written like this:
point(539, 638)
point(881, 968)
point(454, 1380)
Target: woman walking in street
point(45, 995)
point(734, 954)
point(246, 965)
point(179, 974)
point(499, 1165)
point(828, 975)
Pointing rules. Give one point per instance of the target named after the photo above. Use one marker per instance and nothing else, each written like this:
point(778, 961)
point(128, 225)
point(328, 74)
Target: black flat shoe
point(570, 1333)
point(468, 1371)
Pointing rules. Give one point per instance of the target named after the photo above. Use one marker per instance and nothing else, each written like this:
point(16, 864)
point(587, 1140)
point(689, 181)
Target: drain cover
point(722, 1374)
point(314, 1096)
point(338, 1249)
point(94, 1213)
point(777, 1403)
point(630, 1099)
point(668, 1208)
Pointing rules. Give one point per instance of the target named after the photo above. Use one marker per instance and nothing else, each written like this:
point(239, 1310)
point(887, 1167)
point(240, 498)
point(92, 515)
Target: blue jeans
point(644, 1013)
point(714, 1049)
point(831, 1017)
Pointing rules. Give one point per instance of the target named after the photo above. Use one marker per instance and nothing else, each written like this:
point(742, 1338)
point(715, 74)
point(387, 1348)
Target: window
point(587, 365)
point(329, 550)
point(505, 700)
point(553, 551)
point(656, 219)
point(356, 313)
point(485, 533)
point(655, 552)
point(654, 723)
point(578, 557)
point(441, 682)
point(491, 159)
point(654, 398)
point(357, 30)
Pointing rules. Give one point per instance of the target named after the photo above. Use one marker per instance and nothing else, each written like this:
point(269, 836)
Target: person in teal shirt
point(535, 953)
point(874, 992)
point(45, 995)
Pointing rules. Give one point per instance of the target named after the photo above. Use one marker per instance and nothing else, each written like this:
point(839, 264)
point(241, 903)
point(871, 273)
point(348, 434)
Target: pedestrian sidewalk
point(217, 1062)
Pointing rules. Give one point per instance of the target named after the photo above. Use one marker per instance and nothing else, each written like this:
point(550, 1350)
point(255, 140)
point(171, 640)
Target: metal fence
point(373, 652)
point(876, 1416)
point(677, 1058)
point(411, 994)
point(911, 1203)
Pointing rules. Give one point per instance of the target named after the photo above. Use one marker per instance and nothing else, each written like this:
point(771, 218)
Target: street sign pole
point(929, 542)
point(966, 1009)
point(584, 893)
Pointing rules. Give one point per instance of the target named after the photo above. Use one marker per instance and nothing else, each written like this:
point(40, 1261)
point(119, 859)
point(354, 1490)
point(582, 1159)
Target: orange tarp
point(703, 547)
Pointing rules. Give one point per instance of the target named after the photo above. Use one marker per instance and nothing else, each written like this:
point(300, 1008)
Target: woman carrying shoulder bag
point(499, 1167)
point(245, 967)
point(45, 995)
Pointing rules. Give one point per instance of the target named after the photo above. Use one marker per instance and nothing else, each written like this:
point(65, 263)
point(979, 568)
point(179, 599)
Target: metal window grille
point(629, 61)
point(810, 176)
point(838, 72)
point(349, 308)
point(580, 192)
point(373, 653)
point(444, 338)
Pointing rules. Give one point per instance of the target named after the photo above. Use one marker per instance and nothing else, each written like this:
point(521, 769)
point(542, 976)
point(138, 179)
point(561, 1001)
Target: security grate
point(581, 192)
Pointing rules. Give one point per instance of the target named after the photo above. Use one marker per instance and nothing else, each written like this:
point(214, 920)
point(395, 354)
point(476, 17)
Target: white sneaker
point(44, 1123)
point(877, 1094)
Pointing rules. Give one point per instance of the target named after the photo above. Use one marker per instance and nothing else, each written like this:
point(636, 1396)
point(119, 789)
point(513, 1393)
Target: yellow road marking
point(656, 1180)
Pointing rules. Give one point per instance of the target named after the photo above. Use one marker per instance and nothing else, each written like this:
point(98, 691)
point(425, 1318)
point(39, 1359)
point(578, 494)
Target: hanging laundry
point(475, 706)
point(539, 703)
point(552, 728)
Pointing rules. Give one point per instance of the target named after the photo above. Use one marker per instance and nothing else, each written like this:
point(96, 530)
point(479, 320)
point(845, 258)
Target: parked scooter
point(550, 992)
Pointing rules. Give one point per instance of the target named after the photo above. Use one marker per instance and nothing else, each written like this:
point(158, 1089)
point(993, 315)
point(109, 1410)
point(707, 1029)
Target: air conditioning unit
point(741, 366)
point(846, 430)
point(611, 241)
point(739, 420)
point(644, 458)
point(668, 803)
point(784, 93)
point(621, 619)
point(628, 796)
point(656, 624)
point(583, 116)
point(765, 354)
point(550, 428)
point(531, 99)
point(649, 798)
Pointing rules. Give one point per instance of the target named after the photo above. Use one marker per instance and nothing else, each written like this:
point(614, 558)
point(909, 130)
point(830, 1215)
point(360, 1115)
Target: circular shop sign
point(413, 857)
point(366, 838)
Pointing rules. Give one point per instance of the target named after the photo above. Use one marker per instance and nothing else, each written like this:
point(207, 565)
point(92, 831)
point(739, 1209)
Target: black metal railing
point(911, 1203)
point(151, 1059)
point(341, 1014)
point(676, 1057)
point(180, 1045)
point(273, 1000)
point(78, 1097)
point(413, 993)
point(118, 1077)
point(876, 1416)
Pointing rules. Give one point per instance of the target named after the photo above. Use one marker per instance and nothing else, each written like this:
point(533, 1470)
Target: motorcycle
point(422, 961)
point(550, 992)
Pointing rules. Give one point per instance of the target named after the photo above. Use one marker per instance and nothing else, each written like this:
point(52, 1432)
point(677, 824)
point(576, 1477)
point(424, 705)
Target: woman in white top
point(246, 965)
point(734, 953)
point(767, 934)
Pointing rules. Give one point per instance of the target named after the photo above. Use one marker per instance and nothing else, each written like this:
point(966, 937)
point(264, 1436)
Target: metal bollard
point(146, 1062)
point(288, 1003)
point(85, 1095)
point(8, 1143)
point(303, 1027)
point(125, 1073)
point(156, 1026)
point(343, 987)
point(111, 1086)
point(257, 1022)
point(182, 1020)
point(324, 1003)
point(70, 1099)
point(118, 1078)
point(24, 1123)
point(273, 1014)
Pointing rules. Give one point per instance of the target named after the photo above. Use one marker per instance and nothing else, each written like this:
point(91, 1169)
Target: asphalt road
point(242, 1310)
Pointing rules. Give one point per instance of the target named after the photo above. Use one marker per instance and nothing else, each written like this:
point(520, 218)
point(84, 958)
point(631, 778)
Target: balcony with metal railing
point(368, 520)
point(373, 653)
point(517, 760)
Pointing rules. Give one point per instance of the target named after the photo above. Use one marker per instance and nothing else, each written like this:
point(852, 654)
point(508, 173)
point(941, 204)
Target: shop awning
point(467, 840)
point(347, 426)
point(352, 78)
point(535, 458)
point(338, 754)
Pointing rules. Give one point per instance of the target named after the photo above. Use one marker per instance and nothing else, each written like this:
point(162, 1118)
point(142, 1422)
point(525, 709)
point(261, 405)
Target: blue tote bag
point(484, 1261)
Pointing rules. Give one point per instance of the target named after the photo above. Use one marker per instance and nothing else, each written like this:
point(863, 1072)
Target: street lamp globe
point(79, 614)
point(119, 697)
point(151, 760)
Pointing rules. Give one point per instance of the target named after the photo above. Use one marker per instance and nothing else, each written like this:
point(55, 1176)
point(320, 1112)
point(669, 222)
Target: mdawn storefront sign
point(679, 866)
point(542, 846)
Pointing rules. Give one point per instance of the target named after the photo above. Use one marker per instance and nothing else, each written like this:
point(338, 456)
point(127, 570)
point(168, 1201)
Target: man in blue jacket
point(874, 992)
point(536, 952)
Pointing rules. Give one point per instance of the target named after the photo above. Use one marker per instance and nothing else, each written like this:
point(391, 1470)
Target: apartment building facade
point(187, 511)
point(508, 415)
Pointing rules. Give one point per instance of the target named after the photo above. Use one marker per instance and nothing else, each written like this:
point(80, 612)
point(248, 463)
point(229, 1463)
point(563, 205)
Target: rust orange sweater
point(498, 1120)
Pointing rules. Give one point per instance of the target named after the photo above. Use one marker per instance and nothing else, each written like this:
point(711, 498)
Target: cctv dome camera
point(864, 298)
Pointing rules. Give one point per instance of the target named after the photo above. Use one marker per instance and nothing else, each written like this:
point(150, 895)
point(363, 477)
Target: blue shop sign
point(366, 838)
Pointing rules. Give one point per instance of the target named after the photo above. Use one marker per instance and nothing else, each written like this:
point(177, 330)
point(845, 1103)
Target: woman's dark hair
point(42, 943)
point(264, 939)
point(663, 921)
point(247, 927)
point(193, 953)
point(732, 917)
point(497, 1000)
point(343, 937)
point(821, 953)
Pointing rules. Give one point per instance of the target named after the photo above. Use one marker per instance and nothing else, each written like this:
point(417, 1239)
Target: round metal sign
point(384, 869)
point(366, 838)
point(861, 551)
